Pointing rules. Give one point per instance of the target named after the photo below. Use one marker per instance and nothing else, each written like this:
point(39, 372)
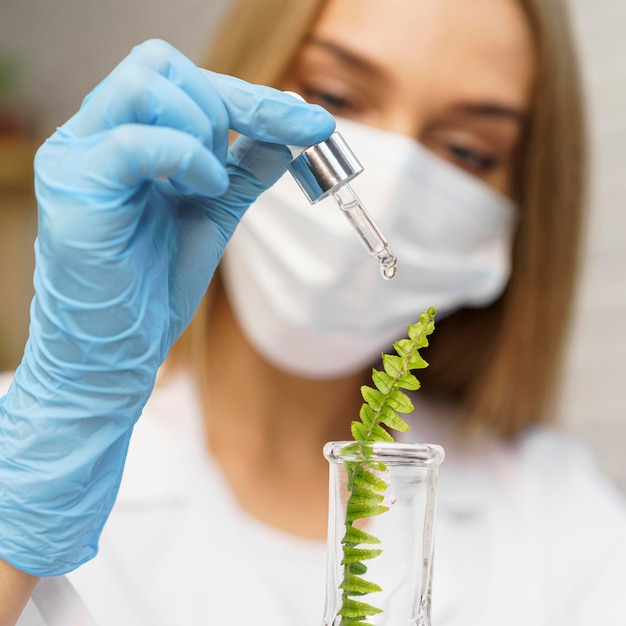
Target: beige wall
point(66, 46)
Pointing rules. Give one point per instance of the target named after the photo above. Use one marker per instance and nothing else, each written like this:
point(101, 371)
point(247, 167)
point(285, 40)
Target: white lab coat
point(527, 535)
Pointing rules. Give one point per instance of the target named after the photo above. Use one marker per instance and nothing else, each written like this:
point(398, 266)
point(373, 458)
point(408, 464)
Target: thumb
point(257, 162)
point(253, 166)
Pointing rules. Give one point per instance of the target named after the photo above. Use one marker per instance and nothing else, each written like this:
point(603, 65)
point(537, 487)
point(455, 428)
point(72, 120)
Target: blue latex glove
point(138, 195)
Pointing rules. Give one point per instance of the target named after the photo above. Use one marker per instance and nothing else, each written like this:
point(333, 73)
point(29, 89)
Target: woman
point(222, 513)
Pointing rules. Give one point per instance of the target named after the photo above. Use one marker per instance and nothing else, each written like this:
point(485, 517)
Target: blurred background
point(53, 53)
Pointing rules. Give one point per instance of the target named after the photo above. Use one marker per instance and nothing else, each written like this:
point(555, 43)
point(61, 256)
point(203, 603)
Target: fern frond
point(382, 404)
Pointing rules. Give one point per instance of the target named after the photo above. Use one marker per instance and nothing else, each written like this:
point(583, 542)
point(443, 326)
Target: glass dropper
point(373, 240)
point(326, 169)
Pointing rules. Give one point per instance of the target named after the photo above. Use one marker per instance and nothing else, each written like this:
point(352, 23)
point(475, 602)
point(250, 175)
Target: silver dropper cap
point(324, 167)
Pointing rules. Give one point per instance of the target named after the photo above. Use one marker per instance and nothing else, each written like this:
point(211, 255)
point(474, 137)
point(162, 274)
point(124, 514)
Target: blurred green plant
point(8, 76)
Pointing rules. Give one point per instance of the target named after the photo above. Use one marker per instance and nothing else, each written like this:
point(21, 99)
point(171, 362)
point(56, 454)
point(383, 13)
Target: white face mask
point(312, 301)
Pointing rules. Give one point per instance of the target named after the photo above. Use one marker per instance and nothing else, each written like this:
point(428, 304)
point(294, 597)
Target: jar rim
point(389, 452)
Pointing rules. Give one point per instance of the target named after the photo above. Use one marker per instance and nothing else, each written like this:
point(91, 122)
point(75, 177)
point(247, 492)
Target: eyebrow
point(493, 110)
point(350, 58)
point(478, 109)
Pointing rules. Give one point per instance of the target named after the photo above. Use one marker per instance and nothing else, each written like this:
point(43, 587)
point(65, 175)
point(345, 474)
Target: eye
point(331, 101)
point(472, 159)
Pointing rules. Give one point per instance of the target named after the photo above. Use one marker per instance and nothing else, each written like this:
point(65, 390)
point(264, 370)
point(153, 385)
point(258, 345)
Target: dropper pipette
point(326, 169)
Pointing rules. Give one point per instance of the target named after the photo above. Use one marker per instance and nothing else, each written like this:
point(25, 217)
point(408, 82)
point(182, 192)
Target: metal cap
point(324, 167)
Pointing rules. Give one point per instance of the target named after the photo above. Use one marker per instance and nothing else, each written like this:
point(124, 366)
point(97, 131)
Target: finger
point(271, 115)
point(156, 61)
point(132, 154)
point(117, 161)
point(109, 172)
point(140, 96)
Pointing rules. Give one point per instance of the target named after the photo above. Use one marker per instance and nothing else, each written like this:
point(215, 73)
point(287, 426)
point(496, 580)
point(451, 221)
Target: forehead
point(478, 48)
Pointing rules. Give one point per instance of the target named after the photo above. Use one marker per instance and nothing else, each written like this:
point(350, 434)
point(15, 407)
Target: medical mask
point(309, 298)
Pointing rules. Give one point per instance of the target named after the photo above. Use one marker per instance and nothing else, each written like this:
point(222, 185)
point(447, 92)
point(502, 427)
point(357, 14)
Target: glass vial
point(381, 561)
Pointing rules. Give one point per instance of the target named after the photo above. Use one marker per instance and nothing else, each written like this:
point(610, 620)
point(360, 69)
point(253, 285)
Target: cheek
point(501, 178)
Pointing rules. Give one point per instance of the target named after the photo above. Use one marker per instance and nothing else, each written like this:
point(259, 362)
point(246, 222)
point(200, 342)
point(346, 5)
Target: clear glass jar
point(380, 533)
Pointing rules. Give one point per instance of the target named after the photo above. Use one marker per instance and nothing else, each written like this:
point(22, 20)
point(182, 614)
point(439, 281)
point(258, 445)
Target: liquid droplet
point(388, 264)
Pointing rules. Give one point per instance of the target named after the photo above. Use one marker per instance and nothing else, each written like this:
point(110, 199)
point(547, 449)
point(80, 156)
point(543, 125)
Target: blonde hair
point(500, 363)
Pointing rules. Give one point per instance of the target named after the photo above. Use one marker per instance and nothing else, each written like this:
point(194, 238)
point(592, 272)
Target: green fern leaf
point(367, 416)
point(362, 500)
point(359, 430)
point(416, 362)
point(355, 449)
point(404, 347)
point(419, 332)
point(393, 364)
point(365, 484)
point(359, 585)
point(373, 397)
point(390, 418)
point(377, 466)
point(352, 554)
point(352, 608)
point(365, 479)
point(383, 381)
point(363, 495)
point(409, 382)
point(356, 536)
point(399, 401)
point(357, 568)
point(363, 512)
point(378, 433)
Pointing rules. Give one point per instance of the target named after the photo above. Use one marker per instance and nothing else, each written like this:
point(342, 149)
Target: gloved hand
point(138, 195)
